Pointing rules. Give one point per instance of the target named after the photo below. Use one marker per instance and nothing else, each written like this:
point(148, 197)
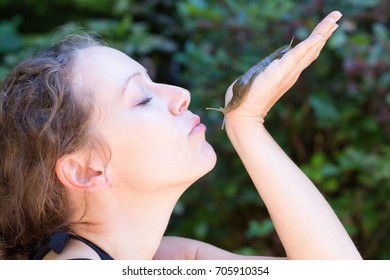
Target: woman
point(95, 156)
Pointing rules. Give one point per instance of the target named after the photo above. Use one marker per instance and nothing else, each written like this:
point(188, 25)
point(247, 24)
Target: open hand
point(281, 75)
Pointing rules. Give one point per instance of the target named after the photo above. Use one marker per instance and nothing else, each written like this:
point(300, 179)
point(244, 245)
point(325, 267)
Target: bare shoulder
point(74, 249)
point(179, 248)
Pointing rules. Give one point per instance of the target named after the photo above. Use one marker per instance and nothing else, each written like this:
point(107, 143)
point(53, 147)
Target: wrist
point(239, 128)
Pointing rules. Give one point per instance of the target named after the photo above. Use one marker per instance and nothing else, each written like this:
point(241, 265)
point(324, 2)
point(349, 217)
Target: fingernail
point(337, 15)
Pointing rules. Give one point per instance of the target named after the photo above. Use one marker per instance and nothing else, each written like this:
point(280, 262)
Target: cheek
point(146, 152)
point(155, 151)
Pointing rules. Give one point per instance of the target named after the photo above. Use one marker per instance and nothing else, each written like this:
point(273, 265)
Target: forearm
point(306, 224)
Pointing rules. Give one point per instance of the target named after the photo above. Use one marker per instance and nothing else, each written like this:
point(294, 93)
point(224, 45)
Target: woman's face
point(154, 140)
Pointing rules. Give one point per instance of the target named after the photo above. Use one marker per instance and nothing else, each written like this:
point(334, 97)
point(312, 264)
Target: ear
point(75, 172)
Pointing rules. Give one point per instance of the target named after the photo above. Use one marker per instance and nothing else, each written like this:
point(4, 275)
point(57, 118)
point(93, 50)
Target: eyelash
point(145, 101)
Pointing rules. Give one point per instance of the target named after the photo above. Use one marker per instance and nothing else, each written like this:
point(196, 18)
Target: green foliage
point(334, 123)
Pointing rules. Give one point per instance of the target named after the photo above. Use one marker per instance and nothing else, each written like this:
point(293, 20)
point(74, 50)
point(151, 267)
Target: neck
point(128, 227)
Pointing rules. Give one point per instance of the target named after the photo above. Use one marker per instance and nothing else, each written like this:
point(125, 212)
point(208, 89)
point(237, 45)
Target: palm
point(281, 74)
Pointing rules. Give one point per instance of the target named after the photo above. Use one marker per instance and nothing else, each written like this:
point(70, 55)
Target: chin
point(205, 167)
point(211, 162)
point(211, 157)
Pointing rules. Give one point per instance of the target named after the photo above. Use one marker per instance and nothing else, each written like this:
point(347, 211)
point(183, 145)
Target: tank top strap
point(102, 254)
point(57, 243)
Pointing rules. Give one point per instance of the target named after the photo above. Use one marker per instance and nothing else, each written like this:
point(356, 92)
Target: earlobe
point(74, 173)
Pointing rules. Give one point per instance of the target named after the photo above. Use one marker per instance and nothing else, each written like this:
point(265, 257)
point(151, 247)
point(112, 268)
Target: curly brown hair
point(40, 121)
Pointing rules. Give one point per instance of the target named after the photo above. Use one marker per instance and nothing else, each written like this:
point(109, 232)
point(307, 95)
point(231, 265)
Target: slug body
point(243, 83)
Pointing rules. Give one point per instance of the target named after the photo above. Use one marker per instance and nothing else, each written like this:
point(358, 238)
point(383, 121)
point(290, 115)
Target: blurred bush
point(334, 123)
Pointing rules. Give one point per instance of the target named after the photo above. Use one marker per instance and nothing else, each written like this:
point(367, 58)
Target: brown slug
point(243, 83)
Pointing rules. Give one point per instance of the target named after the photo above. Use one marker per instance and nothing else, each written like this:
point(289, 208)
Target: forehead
point(103, 64)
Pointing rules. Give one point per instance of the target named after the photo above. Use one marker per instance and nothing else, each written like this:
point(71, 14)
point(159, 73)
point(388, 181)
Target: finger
point(287, 70)
point(301, 56)
point(326, 23)
point(316, 41)
point(310, 48)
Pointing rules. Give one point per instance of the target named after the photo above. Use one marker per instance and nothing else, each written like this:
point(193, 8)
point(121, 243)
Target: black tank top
point(57, 244)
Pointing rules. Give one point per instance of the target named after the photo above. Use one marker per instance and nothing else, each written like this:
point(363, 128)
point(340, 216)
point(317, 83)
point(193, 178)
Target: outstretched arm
point(304, 221)
point(178, 248)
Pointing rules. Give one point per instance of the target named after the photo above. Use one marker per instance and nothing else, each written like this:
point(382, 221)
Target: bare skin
point(243, 84)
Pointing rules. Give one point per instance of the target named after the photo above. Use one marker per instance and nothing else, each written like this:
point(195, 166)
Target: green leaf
point(9, 36)
point(259, 229)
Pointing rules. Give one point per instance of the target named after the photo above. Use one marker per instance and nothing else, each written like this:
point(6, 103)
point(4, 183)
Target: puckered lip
point(195, 122)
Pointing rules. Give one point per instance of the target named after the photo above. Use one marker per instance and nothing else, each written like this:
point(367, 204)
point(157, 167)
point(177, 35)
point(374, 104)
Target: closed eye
point(145, 101)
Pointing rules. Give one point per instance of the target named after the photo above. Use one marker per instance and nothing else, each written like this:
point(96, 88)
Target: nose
point(178, 99)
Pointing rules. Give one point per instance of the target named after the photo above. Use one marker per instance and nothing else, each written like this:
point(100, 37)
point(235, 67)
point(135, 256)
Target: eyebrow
point(127, 81)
